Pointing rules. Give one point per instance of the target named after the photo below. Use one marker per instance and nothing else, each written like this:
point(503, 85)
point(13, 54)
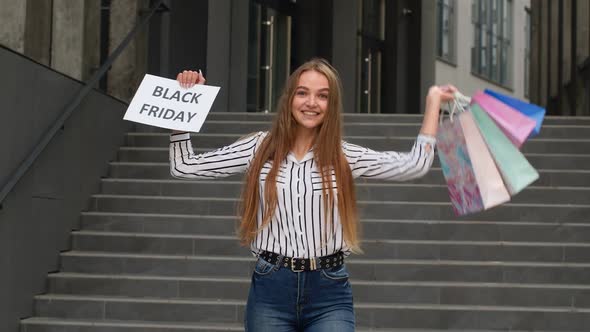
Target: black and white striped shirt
point(298, 228)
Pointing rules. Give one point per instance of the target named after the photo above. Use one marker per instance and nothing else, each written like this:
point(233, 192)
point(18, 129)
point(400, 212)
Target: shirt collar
point(308, 156)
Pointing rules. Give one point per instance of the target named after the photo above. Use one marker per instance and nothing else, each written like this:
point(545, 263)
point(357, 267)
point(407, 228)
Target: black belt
point(303, 264)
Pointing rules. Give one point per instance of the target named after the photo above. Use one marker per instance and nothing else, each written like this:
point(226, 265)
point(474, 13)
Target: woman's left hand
point(437, 94)
point(442, 93)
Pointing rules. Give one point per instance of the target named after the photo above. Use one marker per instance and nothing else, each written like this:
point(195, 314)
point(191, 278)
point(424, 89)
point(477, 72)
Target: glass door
point(269, 55)
point(372, 37)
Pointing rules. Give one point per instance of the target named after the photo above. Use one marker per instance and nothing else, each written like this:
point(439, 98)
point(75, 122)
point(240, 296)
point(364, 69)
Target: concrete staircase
point(157, 254)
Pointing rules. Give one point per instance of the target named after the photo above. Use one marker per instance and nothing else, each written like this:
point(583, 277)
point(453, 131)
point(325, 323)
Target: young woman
point(298, 211)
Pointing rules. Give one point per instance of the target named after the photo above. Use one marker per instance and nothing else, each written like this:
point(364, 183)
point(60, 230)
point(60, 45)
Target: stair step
point(374, 248)
point(467, 230)
point(367, 314)
point(158, 223)
point(368, 129)
point(347, 117)
point(397, 143)
point(378, 129)
point(498, 294)
point(378, 118)
point(351, 129)
point(395, 191)
point(47, 324)
point(368, 209)
point(538, 160)
point(363, 268)
point(547, 177)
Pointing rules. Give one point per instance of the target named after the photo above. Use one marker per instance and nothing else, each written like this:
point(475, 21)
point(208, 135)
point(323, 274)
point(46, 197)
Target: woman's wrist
point(432, 103)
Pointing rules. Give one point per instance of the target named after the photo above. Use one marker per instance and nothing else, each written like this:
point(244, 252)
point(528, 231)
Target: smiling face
point(310, 101)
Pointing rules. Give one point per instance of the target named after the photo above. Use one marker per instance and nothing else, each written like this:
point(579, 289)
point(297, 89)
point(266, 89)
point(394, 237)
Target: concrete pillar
point(218, 50)
point(427, 49)
point(544, 50)
point(91, 44)
point(554, 48)
point(567, 41)
point(238, 80)
point(517, 54)
point(38, 31)
point(535, 53)
point(12, 16)
point(583, 33)
point(344, 50)
point(68, 36)
point(130, 67)
point(75, 37)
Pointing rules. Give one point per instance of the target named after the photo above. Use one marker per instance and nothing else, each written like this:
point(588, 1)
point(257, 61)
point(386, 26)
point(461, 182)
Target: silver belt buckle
point(313, 264)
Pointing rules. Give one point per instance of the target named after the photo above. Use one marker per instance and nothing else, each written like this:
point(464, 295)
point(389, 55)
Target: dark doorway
point(283, 35)
point(178, 37)
point(390, 56)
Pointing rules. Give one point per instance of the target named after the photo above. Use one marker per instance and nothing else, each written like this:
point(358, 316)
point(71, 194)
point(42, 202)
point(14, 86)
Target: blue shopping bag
point(533, 111)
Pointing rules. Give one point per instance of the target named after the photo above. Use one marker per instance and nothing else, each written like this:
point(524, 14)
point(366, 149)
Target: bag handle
point(458, 105)
point(462, 101)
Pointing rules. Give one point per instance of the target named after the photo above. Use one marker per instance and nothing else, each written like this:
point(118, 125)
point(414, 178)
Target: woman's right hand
point(188, 78)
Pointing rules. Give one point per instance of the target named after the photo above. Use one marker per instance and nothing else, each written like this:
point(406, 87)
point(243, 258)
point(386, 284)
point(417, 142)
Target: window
point(492, 29)
point(445, 30)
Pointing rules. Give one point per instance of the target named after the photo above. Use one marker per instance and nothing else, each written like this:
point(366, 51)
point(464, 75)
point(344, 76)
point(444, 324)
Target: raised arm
point(397, 166)
point(436, 96)
point(226, 161)
point(231, 159)
point(391, 165)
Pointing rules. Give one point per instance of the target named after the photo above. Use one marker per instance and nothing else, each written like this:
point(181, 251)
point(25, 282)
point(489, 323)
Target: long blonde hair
point(328, 155)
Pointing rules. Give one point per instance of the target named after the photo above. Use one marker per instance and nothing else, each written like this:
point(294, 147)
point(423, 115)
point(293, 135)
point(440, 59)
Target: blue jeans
point(281, 300)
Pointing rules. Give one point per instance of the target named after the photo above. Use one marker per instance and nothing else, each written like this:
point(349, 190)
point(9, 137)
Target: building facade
point(483, 44)
point(387, 52)
point(560, 57)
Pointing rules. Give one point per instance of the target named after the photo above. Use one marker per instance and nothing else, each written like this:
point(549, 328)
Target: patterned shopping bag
point(532, 111)
point(457, 169)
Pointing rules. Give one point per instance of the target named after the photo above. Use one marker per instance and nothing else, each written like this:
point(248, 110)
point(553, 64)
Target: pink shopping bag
point(491, 186)
point(515, 125)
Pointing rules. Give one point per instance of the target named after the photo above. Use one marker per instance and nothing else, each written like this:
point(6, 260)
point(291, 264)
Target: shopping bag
point(514, 124)
point(532, 111)
point(516, 171)
point(457, 168)
point(492, 190)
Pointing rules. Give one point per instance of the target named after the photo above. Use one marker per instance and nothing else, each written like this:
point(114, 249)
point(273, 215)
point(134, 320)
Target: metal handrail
point(73, 104)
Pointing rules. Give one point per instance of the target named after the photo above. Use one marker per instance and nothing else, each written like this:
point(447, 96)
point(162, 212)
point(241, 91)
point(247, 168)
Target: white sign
point(162, 102)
